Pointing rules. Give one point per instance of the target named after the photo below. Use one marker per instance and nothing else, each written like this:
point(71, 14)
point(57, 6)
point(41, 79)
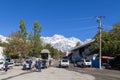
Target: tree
point(17, 46)
point(14, 43)
point(110, 41)
point(37, 43)
point(56, 54)
point(78, 44)
point(23, 29)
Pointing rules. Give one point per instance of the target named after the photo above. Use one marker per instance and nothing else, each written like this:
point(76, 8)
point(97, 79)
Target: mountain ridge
point(57, 41)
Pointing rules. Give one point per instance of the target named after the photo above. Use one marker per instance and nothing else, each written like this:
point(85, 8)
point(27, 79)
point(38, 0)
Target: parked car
point(1, 65)
point(64, 63)
point(18, 63)
point(84, 63)
point(26, 64)
point(10, 64)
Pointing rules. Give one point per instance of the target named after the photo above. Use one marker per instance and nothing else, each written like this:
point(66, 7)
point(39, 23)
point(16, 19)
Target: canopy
point(45, 51)
point(107, 57)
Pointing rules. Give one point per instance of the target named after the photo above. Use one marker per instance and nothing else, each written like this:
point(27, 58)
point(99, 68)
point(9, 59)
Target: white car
point(64, 63)
point(11, 64)
point(84, 63)
point(1, 65)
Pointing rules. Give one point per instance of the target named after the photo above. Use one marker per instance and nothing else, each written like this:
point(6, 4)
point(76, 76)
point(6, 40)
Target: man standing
point(39, 65)
point(6, 66)
point(30, 64)
point(50, 62)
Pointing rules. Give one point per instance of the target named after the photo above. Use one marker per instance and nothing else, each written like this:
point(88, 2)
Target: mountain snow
point(58, 41)
point(3, 39)
point(61, 43)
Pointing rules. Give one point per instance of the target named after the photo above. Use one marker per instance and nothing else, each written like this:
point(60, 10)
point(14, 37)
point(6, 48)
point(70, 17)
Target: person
point(44, 64)
point(50, 62)
point(36, 64)
point(24, 65)
point(39, 65)
point(74, 63)
point(30, 64)
point(6, 66)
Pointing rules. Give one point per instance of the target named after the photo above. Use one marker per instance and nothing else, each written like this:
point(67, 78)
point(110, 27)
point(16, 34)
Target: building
point(1, 53)
point(80, 52)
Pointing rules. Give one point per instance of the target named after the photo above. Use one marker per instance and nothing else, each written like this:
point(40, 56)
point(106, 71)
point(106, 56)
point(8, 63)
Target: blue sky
point(71, 18)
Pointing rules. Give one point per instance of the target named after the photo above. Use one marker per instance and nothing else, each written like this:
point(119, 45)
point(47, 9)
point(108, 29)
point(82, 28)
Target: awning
point(107, 57)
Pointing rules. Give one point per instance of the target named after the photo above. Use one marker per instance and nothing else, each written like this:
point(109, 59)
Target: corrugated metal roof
point(83, 45)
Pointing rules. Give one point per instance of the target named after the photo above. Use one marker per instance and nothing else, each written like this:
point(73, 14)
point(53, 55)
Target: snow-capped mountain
point(61, 43)
point(3, 38)
point(58, 41)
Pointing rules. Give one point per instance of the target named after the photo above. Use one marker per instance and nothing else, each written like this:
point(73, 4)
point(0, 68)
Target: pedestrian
point(6, 66)
point(39, 65)
point(24, 65)
point(74, 63)
point(36, 64)
point(44, 64)
point(50, 62)
point(30, 64)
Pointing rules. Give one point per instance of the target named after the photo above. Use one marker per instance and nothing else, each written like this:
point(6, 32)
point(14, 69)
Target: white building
point(1, 53)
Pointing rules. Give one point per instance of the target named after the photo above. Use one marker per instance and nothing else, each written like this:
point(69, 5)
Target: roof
point(87, 43)
point(45, 51)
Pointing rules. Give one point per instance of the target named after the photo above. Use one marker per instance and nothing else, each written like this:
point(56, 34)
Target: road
point(51, 73)
point(55, 73)
point(97, 73)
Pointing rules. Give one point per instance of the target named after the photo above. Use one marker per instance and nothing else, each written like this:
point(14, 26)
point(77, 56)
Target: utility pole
point(99, 21)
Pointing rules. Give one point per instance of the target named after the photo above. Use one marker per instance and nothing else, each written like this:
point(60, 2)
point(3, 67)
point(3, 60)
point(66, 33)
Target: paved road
point(97, 73)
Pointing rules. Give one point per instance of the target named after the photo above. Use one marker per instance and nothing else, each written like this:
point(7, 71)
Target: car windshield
point(87, 60)
point(65, 60)
point(27, 61)
point(1, 62)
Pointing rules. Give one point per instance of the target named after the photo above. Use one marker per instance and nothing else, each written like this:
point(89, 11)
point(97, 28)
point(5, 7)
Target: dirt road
point(97, 73)
point(52, 73)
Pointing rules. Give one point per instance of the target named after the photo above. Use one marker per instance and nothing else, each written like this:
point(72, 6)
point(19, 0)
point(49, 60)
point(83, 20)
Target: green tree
point(23, 29)
point(17, 46)
point(55, 53)
point(37, 43)
point(78, 44)
point(110, 41)
point(14, 44)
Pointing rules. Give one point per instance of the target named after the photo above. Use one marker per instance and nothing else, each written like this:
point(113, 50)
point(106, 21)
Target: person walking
point(39, 65)
point(6, 66)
